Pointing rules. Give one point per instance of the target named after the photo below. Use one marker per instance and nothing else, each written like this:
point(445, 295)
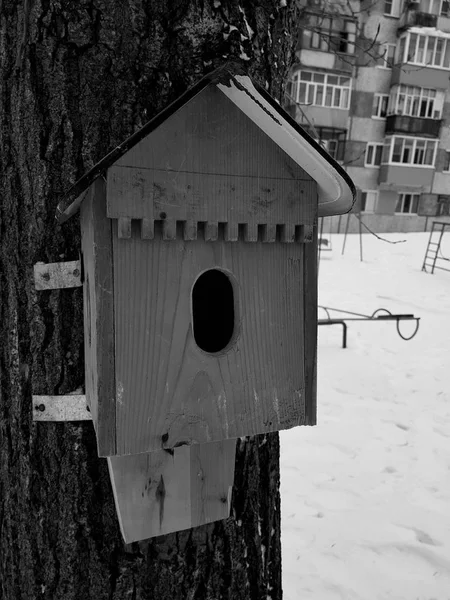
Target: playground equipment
point(433, 252)
point(388, 316)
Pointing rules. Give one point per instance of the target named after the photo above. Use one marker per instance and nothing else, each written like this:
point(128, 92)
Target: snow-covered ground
point(366, 493)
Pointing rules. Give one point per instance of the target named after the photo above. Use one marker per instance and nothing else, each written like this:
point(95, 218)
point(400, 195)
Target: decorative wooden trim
point(190, 230)
point(71, 407)
point(53, 276)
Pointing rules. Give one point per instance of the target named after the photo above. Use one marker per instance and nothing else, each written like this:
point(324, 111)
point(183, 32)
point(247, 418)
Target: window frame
point(312, 89)
point(443, 201)
point(403, 196)
point(429, 11)
point(412, 99)
point(418, 47)
point(329, 32)
point(373, 146)
point(395, 6)
point(442, 12)
point(446, 168)
point(375, 203)
point(413, 147)
point(385, 61)
point(380, 97)
point(324, 135)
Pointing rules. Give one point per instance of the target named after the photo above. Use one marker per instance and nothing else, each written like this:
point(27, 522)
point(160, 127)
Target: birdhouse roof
point(336, 190)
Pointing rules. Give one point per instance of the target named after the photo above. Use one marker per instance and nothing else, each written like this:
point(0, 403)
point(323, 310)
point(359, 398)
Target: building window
point(416, 102)
point(445, 8)
point(387, 56)
point(391, 8)
point(446, 168)
point(407, 204)
point(369, 200)
point(330, 34)
point(321, 89)
point(443, 206)
point(420, 49)
point(431, 7)
point(346, 39)
point(373, 155)
point(409, 151)
point(380, 106)
point(330, 138)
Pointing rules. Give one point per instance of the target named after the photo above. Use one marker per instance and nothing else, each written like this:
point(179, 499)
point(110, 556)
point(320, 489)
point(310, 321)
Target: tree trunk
point(77, 78)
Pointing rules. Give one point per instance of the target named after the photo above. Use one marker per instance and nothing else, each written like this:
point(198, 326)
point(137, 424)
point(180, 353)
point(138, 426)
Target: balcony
point(402, 177)
point(413, 125)
point(416, 18)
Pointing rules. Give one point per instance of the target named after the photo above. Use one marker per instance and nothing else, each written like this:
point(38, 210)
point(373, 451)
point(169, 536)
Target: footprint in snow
point(390, 470)
point(401, 426)
point(424, 538)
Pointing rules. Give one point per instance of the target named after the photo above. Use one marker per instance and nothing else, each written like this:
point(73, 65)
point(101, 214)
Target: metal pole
point(345, 234)
point(360, 239)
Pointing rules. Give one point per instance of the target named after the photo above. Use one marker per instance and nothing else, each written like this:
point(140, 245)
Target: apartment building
point(372, 83)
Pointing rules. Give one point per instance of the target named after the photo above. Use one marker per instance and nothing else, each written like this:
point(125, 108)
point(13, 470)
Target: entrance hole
point(213, 311)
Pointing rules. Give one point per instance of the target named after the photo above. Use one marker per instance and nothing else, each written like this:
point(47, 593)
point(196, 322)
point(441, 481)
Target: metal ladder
point(433, 247)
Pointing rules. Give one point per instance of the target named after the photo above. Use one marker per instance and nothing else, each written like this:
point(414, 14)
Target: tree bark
point(77, 78)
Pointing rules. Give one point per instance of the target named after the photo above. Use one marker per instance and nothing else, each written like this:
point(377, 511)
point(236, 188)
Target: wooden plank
point(231, 232)
point(288, 233)
point(308, 233)
point(269, 233)
point(310, 331)
point(251, 232)
point(52, 276)
point(236, 199)
point(211, 231)
point(147, 229)
point(212, 478)
point(124, 225)
point(169, 229)
point(190, 230)
point(99, 316)
point(171, 391)
point(167, 491)
point(71, 407)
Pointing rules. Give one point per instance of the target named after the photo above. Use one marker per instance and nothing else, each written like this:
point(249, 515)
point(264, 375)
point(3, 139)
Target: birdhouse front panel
point(209, 223)
point(209, 340)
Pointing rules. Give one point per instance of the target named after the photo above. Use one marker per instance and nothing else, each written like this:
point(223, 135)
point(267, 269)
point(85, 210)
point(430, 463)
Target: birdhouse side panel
point(310, 301)
point(99, 316)
point(173, 390)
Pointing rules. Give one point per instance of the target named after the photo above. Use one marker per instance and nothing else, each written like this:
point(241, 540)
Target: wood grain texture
point(71, 407)
point(166, 491)
point(310, 331)
point(53, 276)
point(210, 163)
point(99, 317)
point(171, 392)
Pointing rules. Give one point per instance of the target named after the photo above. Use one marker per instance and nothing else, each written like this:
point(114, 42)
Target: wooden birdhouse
point(199, 264)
